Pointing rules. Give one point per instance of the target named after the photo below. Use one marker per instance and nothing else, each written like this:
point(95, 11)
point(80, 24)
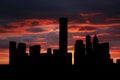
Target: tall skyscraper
point(88, 45)
point(95, 43)
point(12, 51)
point(21, 54)
point(49, 51)
point(63, 34)
point(103, 53)
point(22, 48)
point(35, 51)
point(79, 55)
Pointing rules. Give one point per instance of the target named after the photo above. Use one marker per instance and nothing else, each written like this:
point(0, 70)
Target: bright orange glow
point(115, 54)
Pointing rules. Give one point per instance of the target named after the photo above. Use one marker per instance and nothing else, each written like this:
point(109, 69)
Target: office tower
point(35, 50)
point(63, 34)
point(35, 54)
point(12, 51)
point(95, 43)
point(79, 55)
point(118, 61)
point(21, 54)
point(103, 55)
point(89, 53)
point(88, 45)
point(95, 49)
point(49, 51)
point(22, 48)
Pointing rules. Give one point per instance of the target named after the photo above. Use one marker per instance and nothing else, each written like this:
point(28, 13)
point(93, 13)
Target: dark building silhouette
point(35, 50)
point(95, 43)
point(79, 55)
point(88, 45)
point(89, 52)
point(21, 54)
point(95, 49)
point(63, 58)
point(56, 51)
point(12, 51)
point(103, 56)
point(63, 34)
point(49, 51)
point(22, 48)
point(118, 62)
point(35, 54)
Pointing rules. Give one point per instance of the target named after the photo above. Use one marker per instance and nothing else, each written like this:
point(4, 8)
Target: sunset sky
point(37, 22)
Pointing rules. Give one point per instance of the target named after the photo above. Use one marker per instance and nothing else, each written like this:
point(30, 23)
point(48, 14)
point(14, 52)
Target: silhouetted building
point(89, 52)
point(56, 51)
point(95, 43)
point(103, 56)
point(49, 51)
point(12, 52)
point(118, 62)
point(21, 54)
point(95, 49)
point(79, 55)
point(35, 54)
point(63, 34)
point(35, 50)
point(88, 45)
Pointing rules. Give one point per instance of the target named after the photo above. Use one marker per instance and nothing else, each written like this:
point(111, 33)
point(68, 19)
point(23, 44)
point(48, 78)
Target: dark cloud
point(35, 30)
point(34, 23)
point(6, 26)
point(4, 44)
point(88, 28)
point(55, 8)
point(114, 30)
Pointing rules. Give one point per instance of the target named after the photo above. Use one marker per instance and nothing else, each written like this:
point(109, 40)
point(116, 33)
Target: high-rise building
point(79, 55)
point(22, 48)
point(21, 54)
point(88, 45)
point(95, 43)
point(12, 51)
point(35, 50)
point(103, 55)
point(49, 51)
point(63, 34)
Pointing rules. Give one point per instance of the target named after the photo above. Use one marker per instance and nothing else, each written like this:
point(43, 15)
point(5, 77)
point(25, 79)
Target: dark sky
point(55, 8)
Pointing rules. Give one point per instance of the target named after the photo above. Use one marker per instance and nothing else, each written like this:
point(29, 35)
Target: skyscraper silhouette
point(103, 55)
point(49, 51)
point(88, 45)
point(63, 34)
point(89, 53)
point(35, 50)
point(35, 54)
point(21, 54)
point(22, 48)
point(95, 49)
point(95, 43)
point(79, 54)
point(12, 51)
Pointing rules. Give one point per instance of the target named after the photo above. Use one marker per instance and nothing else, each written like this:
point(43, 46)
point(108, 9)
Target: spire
point(95, 40)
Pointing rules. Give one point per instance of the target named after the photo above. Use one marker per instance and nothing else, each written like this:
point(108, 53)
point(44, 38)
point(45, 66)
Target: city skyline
point(37, 22)
point(91, 53)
